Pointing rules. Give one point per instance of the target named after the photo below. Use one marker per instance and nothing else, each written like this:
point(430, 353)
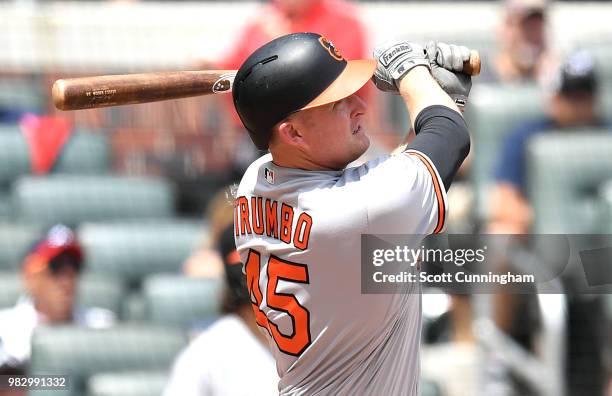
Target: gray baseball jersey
point(298, 234)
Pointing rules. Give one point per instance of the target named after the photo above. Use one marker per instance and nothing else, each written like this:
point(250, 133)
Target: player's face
point(334, 135)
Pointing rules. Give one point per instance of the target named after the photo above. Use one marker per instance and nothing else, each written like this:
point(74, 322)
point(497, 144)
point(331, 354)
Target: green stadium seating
point(139, 383)
point(134, 307)
point(84, 153)
point(15, 240)
point(94, 291)
point(606, 196)
point(606, 103)
point(14, 155)
point(6, 208)
point(564, 172)
point(75, 199)
point(137, 249)
point(179, 300)
point(602, 52)
point(23, 93)
point(494, 111)
point(102, 291)
point(80, 353)
point(429, 388)
point(10, 288)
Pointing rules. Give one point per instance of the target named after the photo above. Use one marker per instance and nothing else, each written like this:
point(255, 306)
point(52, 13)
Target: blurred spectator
point(571, 104)
point(335, 19)
point(10, 116)
point(450, 339)
point(523, 49)
point(50, 275)
point(231, 358)
point(205, 261)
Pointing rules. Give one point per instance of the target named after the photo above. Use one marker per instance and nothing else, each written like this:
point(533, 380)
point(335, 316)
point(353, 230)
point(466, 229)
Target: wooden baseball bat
point(116, 90)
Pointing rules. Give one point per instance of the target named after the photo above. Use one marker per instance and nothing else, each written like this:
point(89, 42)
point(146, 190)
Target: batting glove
point(395, 60)
point(446, 61)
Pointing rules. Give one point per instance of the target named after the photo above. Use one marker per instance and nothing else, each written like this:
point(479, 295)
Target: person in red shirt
point(335, 19)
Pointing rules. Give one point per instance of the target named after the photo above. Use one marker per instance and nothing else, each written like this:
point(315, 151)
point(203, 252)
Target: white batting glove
point(446, 62)
point(395, 60)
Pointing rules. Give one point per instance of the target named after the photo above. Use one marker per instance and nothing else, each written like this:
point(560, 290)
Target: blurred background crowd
point(117, 264)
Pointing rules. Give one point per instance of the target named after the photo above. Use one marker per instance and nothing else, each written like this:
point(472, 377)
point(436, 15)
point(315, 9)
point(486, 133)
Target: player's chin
point(361, 145)
point(362, 137)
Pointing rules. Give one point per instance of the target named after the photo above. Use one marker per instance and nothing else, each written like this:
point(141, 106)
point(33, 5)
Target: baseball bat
point(115, 90)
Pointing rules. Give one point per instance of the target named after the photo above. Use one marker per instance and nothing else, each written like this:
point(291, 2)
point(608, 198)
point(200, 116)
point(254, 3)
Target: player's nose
point(358, 105)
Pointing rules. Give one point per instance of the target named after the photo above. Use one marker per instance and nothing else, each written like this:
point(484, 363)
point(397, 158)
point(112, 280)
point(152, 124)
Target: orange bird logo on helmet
point(331, 48)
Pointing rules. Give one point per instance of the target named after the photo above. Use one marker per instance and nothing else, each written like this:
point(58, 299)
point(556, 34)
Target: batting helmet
point(292, 73)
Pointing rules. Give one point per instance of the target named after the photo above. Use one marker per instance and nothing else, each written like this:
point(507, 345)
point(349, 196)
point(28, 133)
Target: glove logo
point(393, 53)
point(331, 48)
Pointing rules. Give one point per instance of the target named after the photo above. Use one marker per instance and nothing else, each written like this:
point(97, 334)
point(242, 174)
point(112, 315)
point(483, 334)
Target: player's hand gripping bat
point(116, 90)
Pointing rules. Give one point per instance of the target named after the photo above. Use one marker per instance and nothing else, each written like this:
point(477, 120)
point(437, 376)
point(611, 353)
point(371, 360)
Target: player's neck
point(297, 161)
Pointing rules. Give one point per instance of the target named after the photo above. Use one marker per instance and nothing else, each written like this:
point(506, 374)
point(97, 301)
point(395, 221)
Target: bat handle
point(472, 65)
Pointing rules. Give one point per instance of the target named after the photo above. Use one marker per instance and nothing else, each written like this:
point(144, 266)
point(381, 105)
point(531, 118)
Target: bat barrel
point(114, 90)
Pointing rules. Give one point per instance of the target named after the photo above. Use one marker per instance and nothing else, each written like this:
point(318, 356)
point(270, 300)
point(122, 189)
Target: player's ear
point(287, 131)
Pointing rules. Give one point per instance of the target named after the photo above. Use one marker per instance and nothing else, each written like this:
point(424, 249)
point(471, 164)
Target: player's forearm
point(419, 90)
point(442, 135)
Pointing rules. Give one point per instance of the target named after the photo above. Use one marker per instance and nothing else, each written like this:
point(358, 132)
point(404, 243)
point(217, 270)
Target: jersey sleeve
point(405, 195)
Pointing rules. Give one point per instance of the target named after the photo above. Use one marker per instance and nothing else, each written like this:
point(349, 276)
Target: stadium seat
point(75, 199)
point(137, 249)
point(606, 103)
point(23, 93)
point(102, 291)
point(14, 155)
point(179, 300)
point(493, 112)
point(10, 288)
point(94, 291)
point(606, 195)
point(139, 383)
point(429, 388)
point(84, 153)
point(80, 353)
point(6, 205)
point(603, 58)
point(15, 240)
point(134, 307)
point(565, 171)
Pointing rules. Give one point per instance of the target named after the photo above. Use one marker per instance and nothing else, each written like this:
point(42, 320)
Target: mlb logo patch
point(269, 175)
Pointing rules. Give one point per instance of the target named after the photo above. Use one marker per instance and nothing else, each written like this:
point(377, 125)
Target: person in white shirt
point(230, 358)
point(50, 275)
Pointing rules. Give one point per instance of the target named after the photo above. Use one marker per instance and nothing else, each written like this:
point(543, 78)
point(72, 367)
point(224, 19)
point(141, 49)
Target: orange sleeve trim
point(437, 188)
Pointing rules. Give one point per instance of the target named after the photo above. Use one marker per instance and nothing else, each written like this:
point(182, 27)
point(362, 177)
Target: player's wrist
point(415, 76)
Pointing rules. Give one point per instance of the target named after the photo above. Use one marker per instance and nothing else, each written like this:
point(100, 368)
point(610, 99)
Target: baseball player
point(299, 212)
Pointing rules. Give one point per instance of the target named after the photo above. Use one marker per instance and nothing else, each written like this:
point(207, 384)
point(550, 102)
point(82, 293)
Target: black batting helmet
point(292, 73)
